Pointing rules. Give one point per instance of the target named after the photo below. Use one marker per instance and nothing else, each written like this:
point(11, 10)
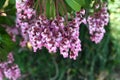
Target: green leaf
point(81, 2)
point(50, 9)
point(73, 4)
point(52, 12)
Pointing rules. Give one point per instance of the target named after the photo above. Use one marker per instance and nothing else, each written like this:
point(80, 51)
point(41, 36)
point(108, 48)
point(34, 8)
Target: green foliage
point(2, 3)
point(6, 45)
point(10, 10)
point(72, 5)
point(115, 28)
point(50, 9)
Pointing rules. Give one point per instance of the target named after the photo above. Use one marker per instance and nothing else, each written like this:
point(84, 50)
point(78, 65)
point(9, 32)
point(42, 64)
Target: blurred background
point(95, 62)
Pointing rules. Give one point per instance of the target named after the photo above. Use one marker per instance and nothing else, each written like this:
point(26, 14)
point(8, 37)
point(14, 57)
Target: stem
point(36, 5)
point(44, 7)
point(40, 5)
point(56, 5)
point(65, 9)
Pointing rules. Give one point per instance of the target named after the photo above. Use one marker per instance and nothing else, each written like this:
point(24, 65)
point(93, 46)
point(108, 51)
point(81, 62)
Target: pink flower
point(9, 70)
point(97, 23)
point(55, 34)
point(12, 73)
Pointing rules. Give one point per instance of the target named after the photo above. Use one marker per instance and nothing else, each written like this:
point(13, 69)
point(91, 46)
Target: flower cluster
point(51, 34)
point(56, 33)
point(9, 70)
point(97, 23)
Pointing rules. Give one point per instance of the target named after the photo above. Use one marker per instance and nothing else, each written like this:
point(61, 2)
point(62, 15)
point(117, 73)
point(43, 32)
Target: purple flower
point(8, 69)
point(97, 22)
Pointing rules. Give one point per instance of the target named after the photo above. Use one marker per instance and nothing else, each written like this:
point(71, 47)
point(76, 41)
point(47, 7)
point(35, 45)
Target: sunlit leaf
point(73, 4)
point(81, 2)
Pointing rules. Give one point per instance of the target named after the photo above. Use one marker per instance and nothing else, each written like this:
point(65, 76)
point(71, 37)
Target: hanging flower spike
point(97, 22)
point(24, 15)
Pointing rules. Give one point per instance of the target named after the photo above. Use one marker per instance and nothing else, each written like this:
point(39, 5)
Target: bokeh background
point(95, 62)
